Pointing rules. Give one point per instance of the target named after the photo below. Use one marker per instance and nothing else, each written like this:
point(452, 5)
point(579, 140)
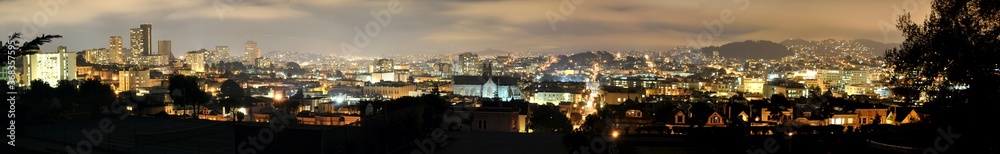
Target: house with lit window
point(871, 115)
point(680, 118)
point(844, 119)
point(903, 116)
point(630, 116)
point(715, 120)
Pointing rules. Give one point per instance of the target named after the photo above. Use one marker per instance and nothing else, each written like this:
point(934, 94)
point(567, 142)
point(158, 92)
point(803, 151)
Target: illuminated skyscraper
point(469, 64)
point(96, 56)
point(252, 52)
point(196, 59)
point(164, 49)
point(140, 40)
point(220, 54)
point(116, 50)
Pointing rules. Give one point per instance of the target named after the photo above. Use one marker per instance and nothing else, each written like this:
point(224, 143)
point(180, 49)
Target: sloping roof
point(480, 80)
point(903, 112)
point(469, 80)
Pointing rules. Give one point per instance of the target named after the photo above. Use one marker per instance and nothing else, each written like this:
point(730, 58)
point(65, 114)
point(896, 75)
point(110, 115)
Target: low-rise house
point(903, 116)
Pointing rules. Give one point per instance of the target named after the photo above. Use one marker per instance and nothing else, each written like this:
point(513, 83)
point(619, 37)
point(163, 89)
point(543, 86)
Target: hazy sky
point(451, 26)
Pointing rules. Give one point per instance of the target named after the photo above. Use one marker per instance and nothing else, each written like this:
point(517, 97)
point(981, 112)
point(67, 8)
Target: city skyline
point(452, 27)
point(501, 76)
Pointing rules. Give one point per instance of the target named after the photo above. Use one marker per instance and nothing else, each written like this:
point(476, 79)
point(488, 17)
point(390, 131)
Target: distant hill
point(750, 49)
point(792, 42)
point(491, 52)
point(830, 46)
point(879, 48)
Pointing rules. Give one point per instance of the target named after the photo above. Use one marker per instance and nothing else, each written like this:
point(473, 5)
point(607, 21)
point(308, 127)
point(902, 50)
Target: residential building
point(388, 90)
point(196, 60)
point(49, 67)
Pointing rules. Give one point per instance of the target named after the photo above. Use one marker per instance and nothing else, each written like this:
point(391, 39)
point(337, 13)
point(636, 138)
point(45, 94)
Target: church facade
point(504, 88)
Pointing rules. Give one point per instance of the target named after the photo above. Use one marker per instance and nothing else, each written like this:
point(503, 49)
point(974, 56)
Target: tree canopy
point(548, 119)
point(952, 54)
point(184, 90)
point(951, 57)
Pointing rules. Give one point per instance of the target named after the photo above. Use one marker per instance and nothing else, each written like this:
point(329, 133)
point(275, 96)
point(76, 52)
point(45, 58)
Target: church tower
point(487, 69)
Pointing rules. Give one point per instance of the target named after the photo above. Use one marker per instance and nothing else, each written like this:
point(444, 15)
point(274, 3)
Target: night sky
point(452, 26)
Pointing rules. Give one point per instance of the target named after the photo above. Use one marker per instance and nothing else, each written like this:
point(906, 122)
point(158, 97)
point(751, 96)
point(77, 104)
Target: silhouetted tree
point(40, 93)
point(549, 120)
point(665, 114)
point(184, 90)
point(27, 48)
point(292, 68)
point(233, 95)
point(95, 95)
point(780, 101)
point(701, 111)
point(67, 94)
point(952, 56)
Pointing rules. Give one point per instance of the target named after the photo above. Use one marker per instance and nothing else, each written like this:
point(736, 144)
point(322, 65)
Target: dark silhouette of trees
point(184, 90)
point(67, 95)
point(665, 114)
point(780, 101)
point(951, 56)
point(28, 47)
point(40, 93)
point(950, 49)
point(95, 95)
point(292, 68)
point(547, 119)
point(701, 111)
point(139, 105)
point(233, 96)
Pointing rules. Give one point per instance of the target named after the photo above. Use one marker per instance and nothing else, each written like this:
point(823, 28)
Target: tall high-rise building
point(221, 53)
point(469, 64)
point(196, 59)
point(49, 67)
point(140, 40)
point(116, 50)
point(252, 52)
point(96, 56)
point(164, 49)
